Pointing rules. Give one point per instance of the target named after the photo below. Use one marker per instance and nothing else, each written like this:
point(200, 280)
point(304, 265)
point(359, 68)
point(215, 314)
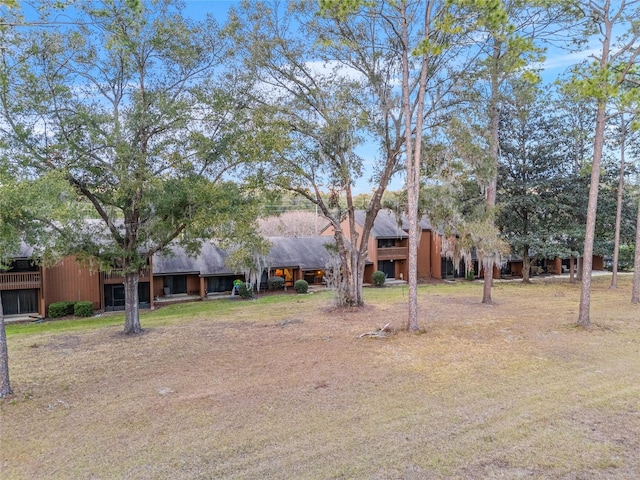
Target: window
point(386, 242)
point(17, 302)
point(285, 273)
point(176, 284)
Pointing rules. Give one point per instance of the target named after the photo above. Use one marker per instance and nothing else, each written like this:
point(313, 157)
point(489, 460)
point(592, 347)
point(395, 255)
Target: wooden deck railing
point(395, 253)
point(18, 281)
point(116, 275)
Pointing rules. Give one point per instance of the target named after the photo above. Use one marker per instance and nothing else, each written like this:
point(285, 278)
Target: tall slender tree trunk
point(572, 265)
point(491, 189)
point(413, 146)
point(131, 304)
point(616, 239)
point(526, 265)
point(587, 260)
point(635, 290)
point(5, 384)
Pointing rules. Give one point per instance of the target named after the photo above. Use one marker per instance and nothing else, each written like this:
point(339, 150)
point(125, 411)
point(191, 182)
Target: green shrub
point(471, 275)
point(275, 283)
point(301, 286)
point(245, 290)
point(83, 309)
point(378, 278)
point(60, 309)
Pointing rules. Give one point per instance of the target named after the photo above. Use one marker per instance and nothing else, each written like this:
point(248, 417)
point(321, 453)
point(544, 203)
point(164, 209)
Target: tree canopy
point(133, 104)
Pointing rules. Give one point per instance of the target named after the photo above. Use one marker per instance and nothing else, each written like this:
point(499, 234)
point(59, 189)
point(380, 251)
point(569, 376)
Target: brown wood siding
point(392, 253)
point(20, 281)
point(555, 265)
point(436, 257)
point(115, 276)
point(516, 268)
point(424, 255)
point(598, 263)
point(157, 287)
point(193, 284)
point(68, 280)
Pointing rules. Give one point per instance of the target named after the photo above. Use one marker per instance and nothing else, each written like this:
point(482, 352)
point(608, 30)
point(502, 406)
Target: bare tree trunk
point(587, 255)
point(616, 238)
point(526, 265)
point(131, 304)
point(579, 268)
point(635, 291)
point(5, 384)
point(572, 277)
point(487, 265)
point(413, 145)
point(494, 143)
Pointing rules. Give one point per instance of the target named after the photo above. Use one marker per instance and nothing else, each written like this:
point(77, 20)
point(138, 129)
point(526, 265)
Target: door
point(114, 296)
point(20, 302)
point(388, 268)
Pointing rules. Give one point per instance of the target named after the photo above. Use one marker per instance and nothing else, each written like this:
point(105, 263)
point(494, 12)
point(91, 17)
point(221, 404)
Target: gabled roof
point(384, 226)
point(306, 253)
point(425, 223)
point(210, 261)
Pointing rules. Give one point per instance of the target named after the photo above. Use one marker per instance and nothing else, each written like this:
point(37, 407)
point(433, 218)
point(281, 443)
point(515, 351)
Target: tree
point(331, 83)
point(601, 80)
point(26, 211)
point(623, 133)
point(508, 36)
point(531, 174)
point(124, 101)
point(635, 289)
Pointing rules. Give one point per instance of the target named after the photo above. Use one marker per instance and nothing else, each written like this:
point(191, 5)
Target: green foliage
point(301, 286)
point(83, 309)
point(379, 278)
point(149, 179)
point(470, 275)
point(61, 309)
point(275, 283)
point(245, 290)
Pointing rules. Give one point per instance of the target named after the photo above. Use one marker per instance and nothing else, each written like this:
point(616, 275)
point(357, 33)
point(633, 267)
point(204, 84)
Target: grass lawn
point(283, 387)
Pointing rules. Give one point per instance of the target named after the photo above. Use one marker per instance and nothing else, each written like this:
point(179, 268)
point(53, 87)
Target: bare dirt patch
point(287, 389)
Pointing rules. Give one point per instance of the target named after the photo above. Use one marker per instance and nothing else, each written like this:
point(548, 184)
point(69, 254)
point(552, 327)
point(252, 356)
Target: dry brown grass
point(285, 389)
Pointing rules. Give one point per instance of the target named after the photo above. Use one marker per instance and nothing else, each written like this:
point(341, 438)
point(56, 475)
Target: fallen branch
point(381, 332)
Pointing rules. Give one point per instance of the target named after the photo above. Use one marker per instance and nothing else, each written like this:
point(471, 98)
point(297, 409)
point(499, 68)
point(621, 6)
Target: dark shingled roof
point(384, 226)
point(210, 262)
point(425, 223)
point(306, 253)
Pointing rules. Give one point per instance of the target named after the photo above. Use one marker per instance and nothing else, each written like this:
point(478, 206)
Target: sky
point(556, 63)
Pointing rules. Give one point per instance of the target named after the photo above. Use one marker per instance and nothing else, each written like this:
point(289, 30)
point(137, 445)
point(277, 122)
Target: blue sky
point(557, 63)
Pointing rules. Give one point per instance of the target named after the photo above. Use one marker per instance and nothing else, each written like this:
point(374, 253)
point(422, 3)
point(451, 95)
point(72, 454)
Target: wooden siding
point(70, 281)
point(392, 253)
point(20, 280)
point(424, 255)
point(116, 276)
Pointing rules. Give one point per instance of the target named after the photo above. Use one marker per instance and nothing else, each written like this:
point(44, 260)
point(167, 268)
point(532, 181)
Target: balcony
point(393, 253)
point(21, 280)
point(116, 276)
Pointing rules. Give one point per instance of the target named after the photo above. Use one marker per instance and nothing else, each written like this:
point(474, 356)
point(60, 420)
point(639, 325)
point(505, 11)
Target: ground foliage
point(283, 387)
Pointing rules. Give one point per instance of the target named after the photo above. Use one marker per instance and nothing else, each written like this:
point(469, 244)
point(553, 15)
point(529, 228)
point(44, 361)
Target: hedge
point(83, 309)
point(245, 290)
point(275, 283)
point(79, 309)
point(60, 309)
point(301, 286)
point(378, 278)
